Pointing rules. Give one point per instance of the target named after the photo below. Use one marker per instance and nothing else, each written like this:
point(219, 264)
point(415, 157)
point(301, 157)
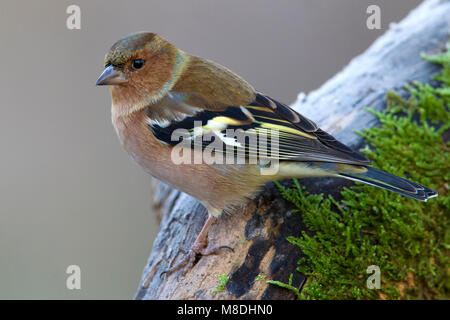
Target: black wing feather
point(299, 138)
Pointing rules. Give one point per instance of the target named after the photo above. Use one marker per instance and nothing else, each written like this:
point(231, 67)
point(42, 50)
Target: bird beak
point(111, 76)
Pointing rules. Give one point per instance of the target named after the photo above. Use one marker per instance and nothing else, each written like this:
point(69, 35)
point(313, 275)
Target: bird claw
point(188, 261)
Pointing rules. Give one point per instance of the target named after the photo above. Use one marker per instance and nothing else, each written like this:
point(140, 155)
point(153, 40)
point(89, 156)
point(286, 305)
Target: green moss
point(288, 285)
point(223, 279)
point(408, 240)
point(260, 277)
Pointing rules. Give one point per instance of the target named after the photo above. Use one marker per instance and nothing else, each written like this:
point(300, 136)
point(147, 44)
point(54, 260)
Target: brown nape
point(214, 85)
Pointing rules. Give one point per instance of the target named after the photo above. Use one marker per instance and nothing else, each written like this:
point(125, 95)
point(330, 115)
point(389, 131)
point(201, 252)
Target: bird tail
point(390, 182)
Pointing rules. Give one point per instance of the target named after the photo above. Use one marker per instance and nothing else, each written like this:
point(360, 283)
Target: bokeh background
point(68, 193)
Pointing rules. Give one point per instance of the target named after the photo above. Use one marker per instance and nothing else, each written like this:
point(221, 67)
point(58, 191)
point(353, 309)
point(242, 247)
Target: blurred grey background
point(68, 193)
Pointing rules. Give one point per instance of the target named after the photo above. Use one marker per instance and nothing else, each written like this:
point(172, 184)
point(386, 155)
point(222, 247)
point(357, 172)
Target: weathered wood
point(258, 232)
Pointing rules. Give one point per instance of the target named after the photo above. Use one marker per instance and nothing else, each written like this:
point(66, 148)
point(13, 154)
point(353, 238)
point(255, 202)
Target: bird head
point(140, 69)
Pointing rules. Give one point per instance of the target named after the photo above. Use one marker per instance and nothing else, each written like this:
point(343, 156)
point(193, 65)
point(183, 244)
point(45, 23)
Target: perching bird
point(167, 103)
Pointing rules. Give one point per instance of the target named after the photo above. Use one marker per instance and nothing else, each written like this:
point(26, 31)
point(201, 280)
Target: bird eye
point(138, 63)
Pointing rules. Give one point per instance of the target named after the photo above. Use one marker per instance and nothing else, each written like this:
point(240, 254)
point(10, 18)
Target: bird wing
point(264, 128)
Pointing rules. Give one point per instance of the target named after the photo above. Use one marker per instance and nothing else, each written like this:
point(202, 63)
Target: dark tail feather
point(390, 182)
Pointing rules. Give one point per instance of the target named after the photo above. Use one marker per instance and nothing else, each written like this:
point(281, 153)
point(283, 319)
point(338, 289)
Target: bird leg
point(198, 248)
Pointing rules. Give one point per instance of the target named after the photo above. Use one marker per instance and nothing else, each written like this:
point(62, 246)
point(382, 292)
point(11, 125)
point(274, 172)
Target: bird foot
point(193, 255)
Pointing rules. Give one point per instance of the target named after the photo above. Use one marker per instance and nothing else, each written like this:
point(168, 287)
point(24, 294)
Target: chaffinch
point(161, 95)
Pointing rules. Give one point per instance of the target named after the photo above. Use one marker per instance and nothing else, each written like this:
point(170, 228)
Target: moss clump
point(260, 277)
point(223, 279)
point(408, 240)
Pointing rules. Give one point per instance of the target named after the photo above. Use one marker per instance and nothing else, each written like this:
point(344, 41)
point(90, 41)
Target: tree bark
point(258, 232)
